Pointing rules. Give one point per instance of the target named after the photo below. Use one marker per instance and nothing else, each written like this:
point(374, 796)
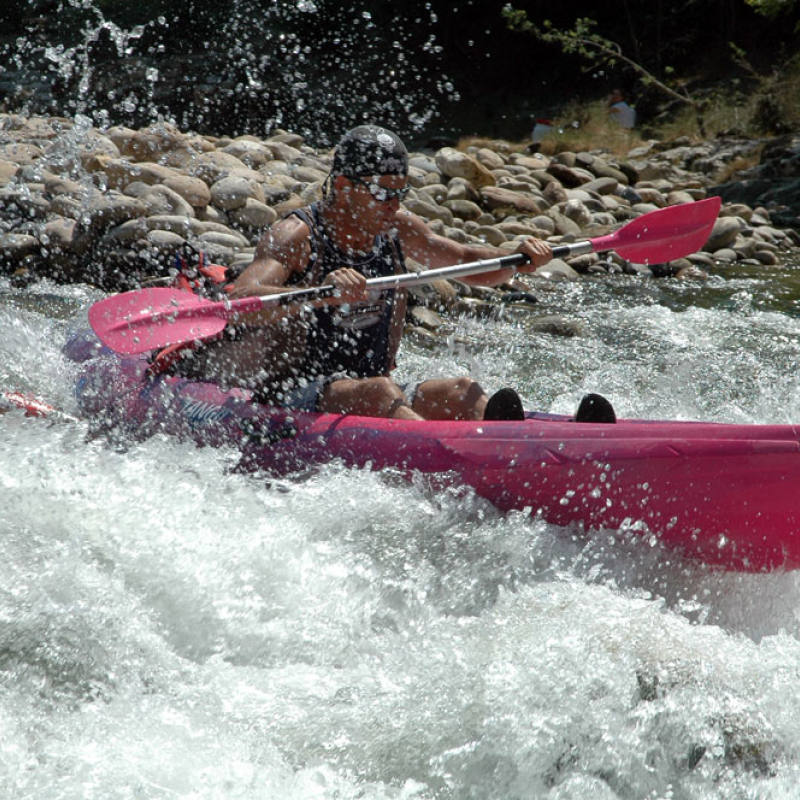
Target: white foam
point(170, 628)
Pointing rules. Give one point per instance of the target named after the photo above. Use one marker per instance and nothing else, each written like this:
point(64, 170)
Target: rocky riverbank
point(113, 207)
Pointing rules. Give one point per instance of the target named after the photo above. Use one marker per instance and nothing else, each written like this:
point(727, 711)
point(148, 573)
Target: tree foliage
point(583, 40)
point(766, 105)
point(772, 8)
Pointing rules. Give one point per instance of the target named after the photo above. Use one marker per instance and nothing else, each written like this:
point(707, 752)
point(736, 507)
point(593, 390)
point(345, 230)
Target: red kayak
point(728, 495)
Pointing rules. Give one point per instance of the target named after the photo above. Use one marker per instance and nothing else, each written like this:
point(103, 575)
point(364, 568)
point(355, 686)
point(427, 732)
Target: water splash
point(173, 628)
point(313, 67)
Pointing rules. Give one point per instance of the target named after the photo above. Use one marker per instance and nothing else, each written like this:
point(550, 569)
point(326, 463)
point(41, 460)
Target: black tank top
point(350, 340)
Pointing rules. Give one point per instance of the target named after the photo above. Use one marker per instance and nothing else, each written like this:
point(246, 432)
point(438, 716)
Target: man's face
point(372, 200)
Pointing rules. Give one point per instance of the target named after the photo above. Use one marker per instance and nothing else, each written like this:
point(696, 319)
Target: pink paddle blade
point(665, 234)
point(135, 322)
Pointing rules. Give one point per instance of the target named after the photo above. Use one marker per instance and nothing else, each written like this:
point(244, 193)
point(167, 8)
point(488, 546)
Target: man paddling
point(344, 361)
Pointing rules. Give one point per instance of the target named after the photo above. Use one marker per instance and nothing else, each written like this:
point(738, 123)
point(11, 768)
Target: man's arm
point(423, 245)
point(283, 250)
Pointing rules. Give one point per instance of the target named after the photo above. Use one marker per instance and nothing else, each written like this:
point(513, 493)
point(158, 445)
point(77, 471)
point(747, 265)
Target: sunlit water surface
point(172, 628)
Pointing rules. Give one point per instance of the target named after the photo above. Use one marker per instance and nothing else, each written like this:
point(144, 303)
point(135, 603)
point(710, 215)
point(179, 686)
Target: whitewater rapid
point(170, 627)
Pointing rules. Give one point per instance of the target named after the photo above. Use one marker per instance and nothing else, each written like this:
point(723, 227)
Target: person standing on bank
point(619, 110)
point(357, 231)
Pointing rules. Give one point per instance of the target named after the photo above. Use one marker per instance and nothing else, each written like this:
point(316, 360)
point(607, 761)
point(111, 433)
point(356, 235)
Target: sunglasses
point(382, 193)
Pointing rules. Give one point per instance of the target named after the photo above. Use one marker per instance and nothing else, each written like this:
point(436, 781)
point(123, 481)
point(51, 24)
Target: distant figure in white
point(623, 114)
point(541, 128)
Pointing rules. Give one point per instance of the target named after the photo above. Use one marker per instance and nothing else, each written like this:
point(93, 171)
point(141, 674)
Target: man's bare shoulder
point(406, 222)
point(412, 230)
point(415, 236)
point(289, 231)
point(287, 241)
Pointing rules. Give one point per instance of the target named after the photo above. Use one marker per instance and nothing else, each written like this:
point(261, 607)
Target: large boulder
point(556, 269)
point(120, 172)
point(193, 190)
point(233, 192)
point(162, 200)
point(494, 197)
point(253, 154)
point(455, 164)
point(253, 215)
point(428, 210)
point(464, 209)
point(724, 233)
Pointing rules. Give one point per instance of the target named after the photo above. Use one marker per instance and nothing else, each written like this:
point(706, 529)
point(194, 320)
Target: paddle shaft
point(657, 236)
point(32, 406)
point(405, 280)
point(136, 322)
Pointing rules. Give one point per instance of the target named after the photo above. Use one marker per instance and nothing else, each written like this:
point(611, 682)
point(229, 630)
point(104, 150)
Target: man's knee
point(452, 398)
point(468, 388)
point(464, 391)
point(377, 397)
point(453, 388)
point(384, 394)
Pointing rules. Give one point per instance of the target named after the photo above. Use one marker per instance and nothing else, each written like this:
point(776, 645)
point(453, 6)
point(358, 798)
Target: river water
point(170, 628)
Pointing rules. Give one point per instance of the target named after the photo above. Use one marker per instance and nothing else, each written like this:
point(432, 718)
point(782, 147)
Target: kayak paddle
point(146, 319)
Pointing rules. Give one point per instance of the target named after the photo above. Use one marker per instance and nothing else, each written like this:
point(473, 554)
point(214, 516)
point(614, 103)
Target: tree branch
point(582, 41)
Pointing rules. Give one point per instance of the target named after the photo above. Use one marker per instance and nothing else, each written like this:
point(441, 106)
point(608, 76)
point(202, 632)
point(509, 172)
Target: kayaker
point(342, 360)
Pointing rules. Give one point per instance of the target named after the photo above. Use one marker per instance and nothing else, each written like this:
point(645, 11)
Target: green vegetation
point(727, 110)
point(587, 127)
point(772, 8)
point(580, 127)
point(583, 40)
point(756, 102)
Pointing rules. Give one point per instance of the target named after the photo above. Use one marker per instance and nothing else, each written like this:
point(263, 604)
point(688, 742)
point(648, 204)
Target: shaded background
point(432, 70)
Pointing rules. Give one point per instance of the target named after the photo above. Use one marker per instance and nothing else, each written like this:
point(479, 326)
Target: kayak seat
point(595, 408)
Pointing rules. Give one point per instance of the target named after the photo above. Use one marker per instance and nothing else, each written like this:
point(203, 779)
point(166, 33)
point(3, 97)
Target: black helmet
point(370, 150)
